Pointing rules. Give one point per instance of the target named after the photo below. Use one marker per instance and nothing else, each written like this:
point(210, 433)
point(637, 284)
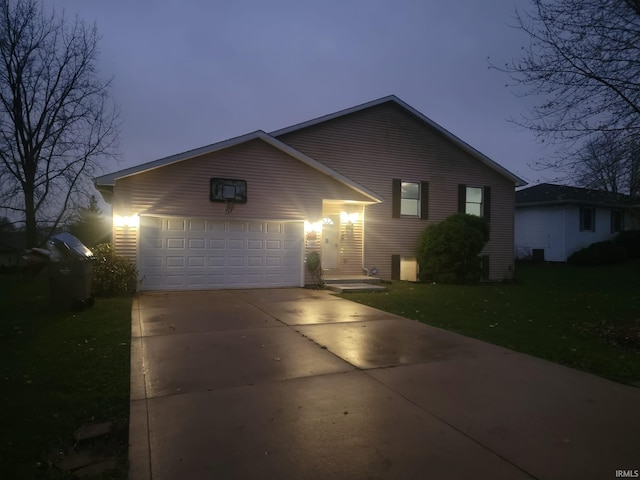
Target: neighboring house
point(358, 186)
point(553, 221)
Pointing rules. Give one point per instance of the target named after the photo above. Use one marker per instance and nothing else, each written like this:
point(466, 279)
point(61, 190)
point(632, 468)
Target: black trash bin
point(70, 273)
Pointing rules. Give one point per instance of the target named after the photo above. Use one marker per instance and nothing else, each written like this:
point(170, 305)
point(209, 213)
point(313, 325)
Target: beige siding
point(125, 241)
point(278, 187)
point(375, 145)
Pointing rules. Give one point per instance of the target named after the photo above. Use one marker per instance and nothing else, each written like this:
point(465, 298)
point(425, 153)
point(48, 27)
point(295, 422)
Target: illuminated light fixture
point(131, 221)
point(312, 227)
point(349, 217)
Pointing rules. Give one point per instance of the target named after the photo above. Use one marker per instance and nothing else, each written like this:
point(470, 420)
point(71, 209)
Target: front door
point(330, 242)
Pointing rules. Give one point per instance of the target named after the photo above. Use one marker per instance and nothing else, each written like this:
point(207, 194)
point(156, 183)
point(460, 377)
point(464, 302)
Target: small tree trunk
point(31, 225)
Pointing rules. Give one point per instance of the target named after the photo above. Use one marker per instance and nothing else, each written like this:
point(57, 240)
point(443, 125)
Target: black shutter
point(462, 198)
point(424, 200)
point(487, 204)
point(396, 197)
point(485, 267)
point(395, 267)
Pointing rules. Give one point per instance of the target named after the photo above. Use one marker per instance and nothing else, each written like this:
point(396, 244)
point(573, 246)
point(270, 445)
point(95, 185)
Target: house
point(553, 221)
point(358, 186)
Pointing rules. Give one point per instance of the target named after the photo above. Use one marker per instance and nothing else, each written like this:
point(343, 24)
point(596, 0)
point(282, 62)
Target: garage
point(195, 253)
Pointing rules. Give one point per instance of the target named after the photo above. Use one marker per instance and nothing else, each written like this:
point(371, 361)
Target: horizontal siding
point(373, 146)
point(541, 228)
point(279, 187)
point(125, 242)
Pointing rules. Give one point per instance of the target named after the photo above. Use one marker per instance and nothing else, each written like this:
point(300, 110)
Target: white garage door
point(191, 254)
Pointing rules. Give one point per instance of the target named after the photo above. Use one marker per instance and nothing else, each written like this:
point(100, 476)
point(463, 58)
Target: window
point(410, 199)
point(587, 219)
point(617, 221)
point(475, 201)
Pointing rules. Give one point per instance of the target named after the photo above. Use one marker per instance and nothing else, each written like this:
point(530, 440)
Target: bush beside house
point(625, 245)
point(630, 241)
point(449, 251)
point(599, 253)
point(113, 274)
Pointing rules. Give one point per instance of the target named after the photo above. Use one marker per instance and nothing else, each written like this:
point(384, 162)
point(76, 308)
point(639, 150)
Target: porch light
point(131, 221)
point(349, 217)
point(312, 227)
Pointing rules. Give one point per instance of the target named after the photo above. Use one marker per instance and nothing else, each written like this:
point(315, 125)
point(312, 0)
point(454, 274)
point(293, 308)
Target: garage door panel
point(215, 279)
point(217, 226)
point(173, 225)
point(236, 261)
point(152, 262)
point(196, 261)
point(254, 261)
point(177, 243)
point(197, 243)
point(175, 280)
point(273, 261)
point(197, 225)
point(273, 244)
point(173, 253)
point(216, 261)
point(152, 242)
point(197, 280)
point(175, 262)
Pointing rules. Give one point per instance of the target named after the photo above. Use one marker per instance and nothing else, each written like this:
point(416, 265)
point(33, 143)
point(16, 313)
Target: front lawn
point(584, 317)
point(60, 371)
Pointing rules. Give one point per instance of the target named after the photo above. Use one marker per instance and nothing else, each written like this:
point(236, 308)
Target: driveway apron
point(300, 384)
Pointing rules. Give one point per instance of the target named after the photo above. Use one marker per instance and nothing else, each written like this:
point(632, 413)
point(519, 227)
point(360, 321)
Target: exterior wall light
point(349, 217)
point(131, 221)
point(312, 227)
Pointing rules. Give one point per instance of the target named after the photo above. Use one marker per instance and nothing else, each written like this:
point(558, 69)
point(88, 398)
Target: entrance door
point(330, 242)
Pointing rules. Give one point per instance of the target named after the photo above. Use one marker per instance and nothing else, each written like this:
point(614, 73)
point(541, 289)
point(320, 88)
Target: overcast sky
point(191, 73)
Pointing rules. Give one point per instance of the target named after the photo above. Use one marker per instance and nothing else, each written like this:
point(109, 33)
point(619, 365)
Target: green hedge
point(449, 251)
point(113, 274)
point(599, 253)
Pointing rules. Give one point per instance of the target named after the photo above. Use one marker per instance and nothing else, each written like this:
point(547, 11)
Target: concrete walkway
point(298, 384)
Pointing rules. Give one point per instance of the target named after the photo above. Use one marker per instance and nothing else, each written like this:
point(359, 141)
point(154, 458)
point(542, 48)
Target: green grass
point(58, 372)
point(584, 317)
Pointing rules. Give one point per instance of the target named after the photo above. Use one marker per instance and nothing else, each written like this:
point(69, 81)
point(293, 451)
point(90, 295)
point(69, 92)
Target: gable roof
point(106, 182)
point(427, 121)
point(551, 194)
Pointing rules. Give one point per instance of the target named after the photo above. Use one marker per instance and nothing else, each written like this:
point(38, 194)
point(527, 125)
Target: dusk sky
point(195, 72)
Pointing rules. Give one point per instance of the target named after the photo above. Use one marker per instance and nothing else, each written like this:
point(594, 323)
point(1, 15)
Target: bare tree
point(57, 123)
point(583, 65)
point(608, 163)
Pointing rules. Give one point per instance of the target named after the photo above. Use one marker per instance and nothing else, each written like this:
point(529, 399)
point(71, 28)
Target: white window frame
point(468, 204)
point(406, 203)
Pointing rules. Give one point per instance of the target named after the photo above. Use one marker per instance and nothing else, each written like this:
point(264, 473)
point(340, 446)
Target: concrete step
point(355, 287)
point(343, 280)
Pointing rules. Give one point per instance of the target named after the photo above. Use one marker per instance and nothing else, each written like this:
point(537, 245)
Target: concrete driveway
point(299, 384)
